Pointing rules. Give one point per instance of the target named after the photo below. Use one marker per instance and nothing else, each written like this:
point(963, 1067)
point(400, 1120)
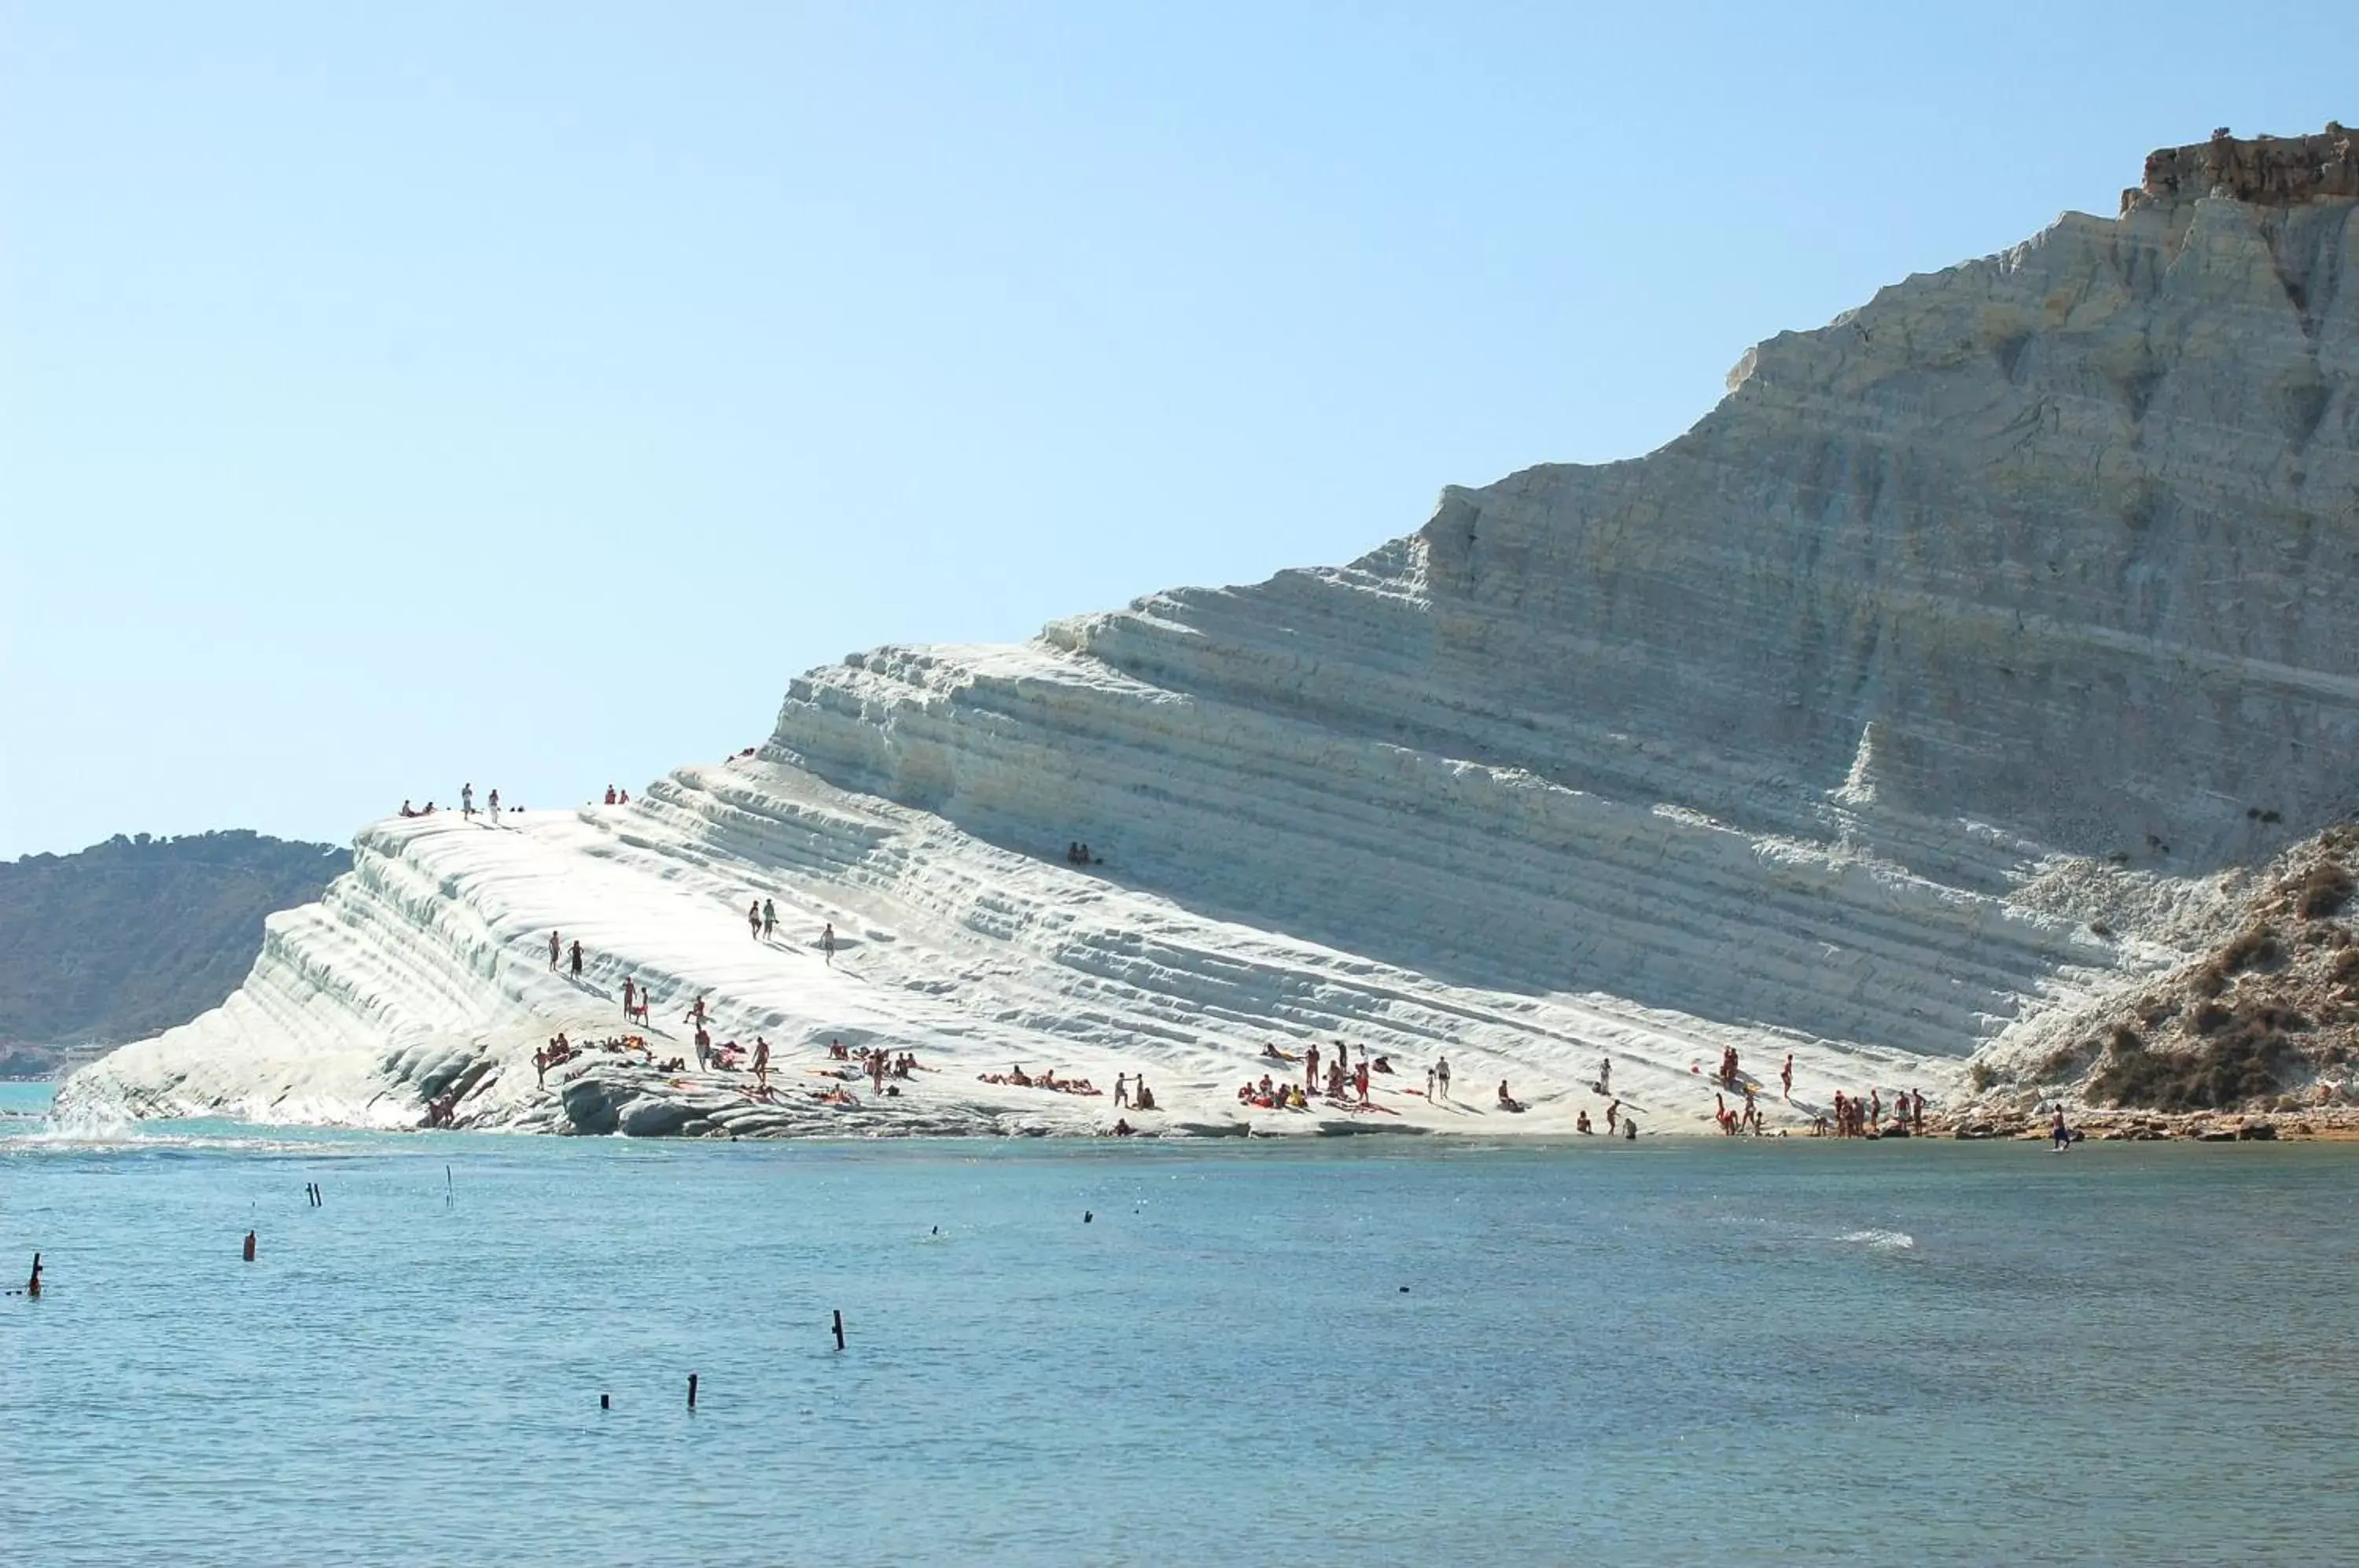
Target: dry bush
point(2325, 890)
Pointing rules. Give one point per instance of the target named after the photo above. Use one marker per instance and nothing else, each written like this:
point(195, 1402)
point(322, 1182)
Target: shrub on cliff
point(2243, 1057)
point(2324, 890)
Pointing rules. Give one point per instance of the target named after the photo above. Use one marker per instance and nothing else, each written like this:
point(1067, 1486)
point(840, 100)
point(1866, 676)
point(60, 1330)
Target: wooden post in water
point(605, 1402)
point(839, 1328)
point(691, 1391)
point(249, 1246)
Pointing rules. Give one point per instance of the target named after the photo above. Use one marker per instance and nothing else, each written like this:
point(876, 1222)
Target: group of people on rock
point(1855, 1117)
point(877, 1063)
point(1017, 1077)
point(466, 805)
point(1735, 1122)
point(557, 951)
point(1268, 1096)
point(1347, 1083)
point(1079, 854)
point(561, 1049)
point(1616, 1124)
point(617, 797)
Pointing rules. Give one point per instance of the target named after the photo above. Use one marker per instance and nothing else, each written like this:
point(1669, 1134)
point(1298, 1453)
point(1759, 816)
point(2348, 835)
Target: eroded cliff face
point(2048, 555)
point(1940, 680)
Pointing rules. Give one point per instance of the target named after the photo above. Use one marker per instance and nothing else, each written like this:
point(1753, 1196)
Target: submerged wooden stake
point(839, 1328)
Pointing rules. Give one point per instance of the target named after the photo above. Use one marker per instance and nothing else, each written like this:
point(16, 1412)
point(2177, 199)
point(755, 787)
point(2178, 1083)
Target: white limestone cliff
point(1944, 675)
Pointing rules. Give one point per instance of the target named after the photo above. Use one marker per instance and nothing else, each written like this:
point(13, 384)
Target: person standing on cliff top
point(827, 944)
point(577, 958)
point(467, 801)
point(494, 804)
point(556, 950)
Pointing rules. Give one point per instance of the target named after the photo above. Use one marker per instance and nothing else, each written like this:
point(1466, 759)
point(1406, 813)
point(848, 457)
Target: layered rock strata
point(1940, 680)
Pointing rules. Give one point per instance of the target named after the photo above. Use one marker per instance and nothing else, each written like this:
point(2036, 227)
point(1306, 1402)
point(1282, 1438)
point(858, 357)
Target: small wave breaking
point(1880, 1240)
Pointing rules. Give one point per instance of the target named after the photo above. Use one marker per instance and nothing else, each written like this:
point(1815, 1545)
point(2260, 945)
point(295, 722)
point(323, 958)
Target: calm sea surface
point(1676, 1352)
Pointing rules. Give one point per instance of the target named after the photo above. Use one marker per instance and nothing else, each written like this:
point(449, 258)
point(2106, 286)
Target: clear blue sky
point(391, 395)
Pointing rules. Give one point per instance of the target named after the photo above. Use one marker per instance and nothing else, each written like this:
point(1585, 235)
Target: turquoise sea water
point(1673, 1351)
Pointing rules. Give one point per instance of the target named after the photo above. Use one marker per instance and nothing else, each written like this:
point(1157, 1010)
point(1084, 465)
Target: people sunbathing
point(1270, 1096)
point(1017, 1078)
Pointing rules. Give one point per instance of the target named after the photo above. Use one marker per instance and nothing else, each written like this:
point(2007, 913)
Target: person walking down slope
point(769, 920)
point(753, 919)
point(1786, 1077)
point(1441, 1076)
point(827, 942)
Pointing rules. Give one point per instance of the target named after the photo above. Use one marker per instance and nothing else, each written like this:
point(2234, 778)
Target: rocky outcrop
point(2266, 1017)
point(1941, 682)
point(2264, 170)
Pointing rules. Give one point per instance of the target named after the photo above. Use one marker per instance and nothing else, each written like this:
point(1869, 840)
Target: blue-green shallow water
point(1677, 1351)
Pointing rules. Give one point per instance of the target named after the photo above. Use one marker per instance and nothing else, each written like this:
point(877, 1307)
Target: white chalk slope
point(1946, 674)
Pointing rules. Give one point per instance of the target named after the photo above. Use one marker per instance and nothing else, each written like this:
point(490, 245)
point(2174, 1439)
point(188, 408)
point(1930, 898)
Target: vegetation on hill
point(2267, 1019)
point(138, 935)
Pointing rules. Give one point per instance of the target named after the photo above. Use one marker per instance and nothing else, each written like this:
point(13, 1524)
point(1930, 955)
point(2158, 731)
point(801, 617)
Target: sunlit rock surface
point(1942, 676)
